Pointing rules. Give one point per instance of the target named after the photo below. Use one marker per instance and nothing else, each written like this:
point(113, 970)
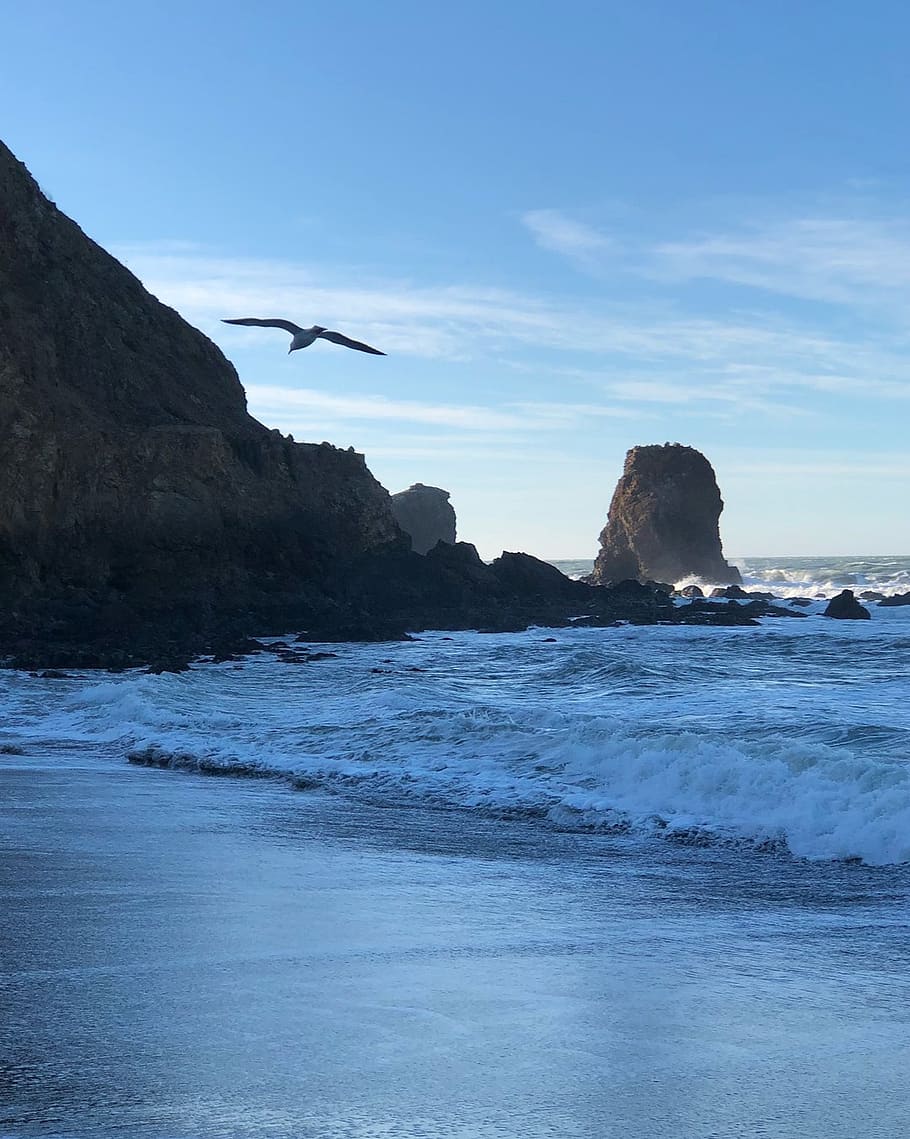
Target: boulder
point(737, 593)
point(897, 599)
point(425, 514)
point(845, 607)
point(663, 520)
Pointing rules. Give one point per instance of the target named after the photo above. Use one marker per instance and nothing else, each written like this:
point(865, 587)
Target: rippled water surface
point(185, 957)
point(594, 882)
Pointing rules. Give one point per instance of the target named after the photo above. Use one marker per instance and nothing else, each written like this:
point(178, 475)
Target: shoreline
point(326, 964)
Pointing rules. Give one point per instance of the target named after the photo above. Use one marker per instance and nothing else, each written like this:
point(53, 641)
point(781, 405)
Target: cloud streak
point(554, 231)
point(631, 356)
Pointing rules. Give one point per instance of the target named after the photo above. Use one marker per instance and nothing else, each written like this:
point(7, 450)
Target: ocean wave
point(774, 738)
point(818, 801)
point(814, 577)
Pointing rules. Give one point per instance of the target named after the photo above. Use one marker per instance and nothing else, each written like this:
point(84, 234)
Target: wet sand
point(184, 956)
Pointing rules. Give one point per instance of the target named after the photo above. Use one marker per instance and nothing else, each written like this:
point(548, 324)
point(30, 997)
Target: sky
point(574, 228)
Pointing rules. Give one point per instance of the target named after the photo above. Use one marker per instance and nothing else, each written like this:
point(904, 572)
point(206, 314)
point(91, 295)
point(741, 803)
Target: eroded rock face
point(426, 515)
point(132, 477)
point(663, 520)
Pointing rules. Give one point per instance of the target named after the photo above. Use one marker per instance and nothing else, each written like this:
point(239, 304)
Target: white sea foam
point(793, 734)
point(816, 577)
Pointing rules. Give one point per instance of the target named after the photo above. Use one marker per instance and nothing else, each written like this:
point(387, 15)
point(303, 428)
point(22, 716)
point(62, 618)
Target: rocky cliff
point(663, 520)
point(145, 516)
point(425, 514)
point(132, 478)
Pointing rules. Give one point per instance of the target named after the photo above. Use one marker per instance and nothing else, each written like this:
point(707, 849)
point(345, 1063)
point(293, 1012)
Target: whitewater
point(792, 737)
point(617, 883)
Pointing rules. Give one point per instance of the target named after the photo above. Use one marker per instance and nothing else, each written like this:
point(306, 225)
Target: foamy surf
point(792, 736)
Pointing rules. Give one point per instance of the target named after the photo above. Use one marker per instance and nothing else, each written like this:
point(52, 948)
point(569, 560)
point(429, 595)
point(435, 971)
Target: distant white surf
point(815, 577)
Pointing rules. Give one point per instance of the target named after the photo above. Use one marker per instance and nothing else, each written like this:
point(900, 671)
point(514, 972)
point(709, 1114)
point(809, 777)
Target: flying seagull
point(304, 337)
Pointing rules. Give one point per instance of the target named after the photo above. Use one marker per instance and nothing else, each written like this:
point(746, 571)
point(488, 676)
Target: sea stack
point(425, 514)
point(663, 520)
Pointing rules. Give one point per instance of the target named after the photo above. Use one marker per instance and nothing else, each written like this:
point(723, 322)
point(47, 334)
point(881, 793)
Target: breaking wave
point(793, 736)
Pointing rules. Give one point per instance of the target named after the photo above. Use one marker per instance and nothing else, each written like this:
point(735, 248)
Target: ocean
point(636, 881)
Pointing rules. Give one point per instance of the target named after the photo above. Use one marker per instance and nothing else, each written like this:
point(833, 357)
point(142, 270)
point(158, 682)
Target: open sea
point(625, 882)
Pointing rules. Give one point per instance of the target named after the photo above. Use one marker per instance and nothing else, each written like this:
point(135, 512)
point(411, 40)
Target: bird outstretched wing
point(347, 342)
point(287, 325)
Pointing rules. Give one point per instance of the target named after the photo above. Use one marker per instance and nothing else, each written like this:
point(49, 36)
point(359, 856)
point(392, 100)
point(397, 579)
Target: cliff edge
point(133, 481)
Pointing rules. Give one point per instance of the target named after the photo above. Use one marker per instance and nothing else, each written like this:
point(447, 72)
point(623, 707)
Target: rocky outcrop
point(895, 600)
point(425, 514)
point(845, 607)
point(145, 516)
point(133, 482)
point(663, 520)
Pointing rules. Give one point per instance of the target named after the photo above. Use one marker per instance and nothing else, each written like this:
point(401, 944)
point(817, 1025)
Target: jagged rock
point(897, 599)
point(425, 514)
point(845, 607)
point(663, 520)
point(134, 486)
point(145, 516)
point(737, 593)
point(691, 591)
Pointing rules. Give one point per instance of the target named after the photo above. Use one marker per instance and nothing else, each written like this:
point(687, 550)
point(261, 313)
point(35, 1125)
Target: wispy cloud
point(840, 260)
point(632, 357)
point(843, 259)
point(540, 416)
point(558, 233)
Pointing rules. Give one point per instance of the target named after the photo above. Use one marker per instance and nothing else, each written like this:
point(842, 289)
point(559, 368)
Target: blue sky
point(574, 228)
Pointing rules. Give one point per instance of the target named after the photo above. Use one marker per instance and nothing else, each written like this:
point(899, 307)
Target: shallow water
point(184, 956)
point(580, 882)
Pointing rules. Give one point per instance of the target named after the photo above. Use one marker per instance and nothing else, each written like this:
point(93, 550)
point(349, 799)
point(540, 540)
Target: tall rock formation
point(426, 515)
point(131, 473)
point(663, 520)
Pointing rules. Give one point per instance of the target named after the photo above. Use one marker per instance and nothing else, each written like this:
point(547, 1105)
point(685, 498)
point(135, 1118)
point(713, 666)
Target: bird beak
point(290, 350)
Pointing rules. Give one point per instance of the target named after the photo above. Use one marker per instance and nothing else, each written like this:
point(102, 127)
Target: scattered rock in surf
point(845, 607)
point(737, 593)
point(691, 591)
point(11, 749)
point(897, 599)
point(179, 664)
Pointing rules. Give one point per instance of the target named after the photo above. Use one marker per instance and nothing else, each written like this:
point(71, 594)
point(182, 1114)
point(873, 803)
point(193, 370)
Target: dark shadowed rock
point(663, 520)
point(146, 517)
point(425, 514)
point(897, 599)
point(691, 591)
point(737, 593)
point(135, 489)
point(845, 607)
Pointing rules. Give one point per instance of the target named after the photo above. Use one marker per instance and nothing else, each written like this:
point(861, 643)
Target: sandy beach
point(187, 956)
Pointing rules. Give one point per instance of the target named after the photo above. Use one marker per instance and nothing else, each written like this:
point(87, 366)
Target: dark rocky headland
point(146, 517)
